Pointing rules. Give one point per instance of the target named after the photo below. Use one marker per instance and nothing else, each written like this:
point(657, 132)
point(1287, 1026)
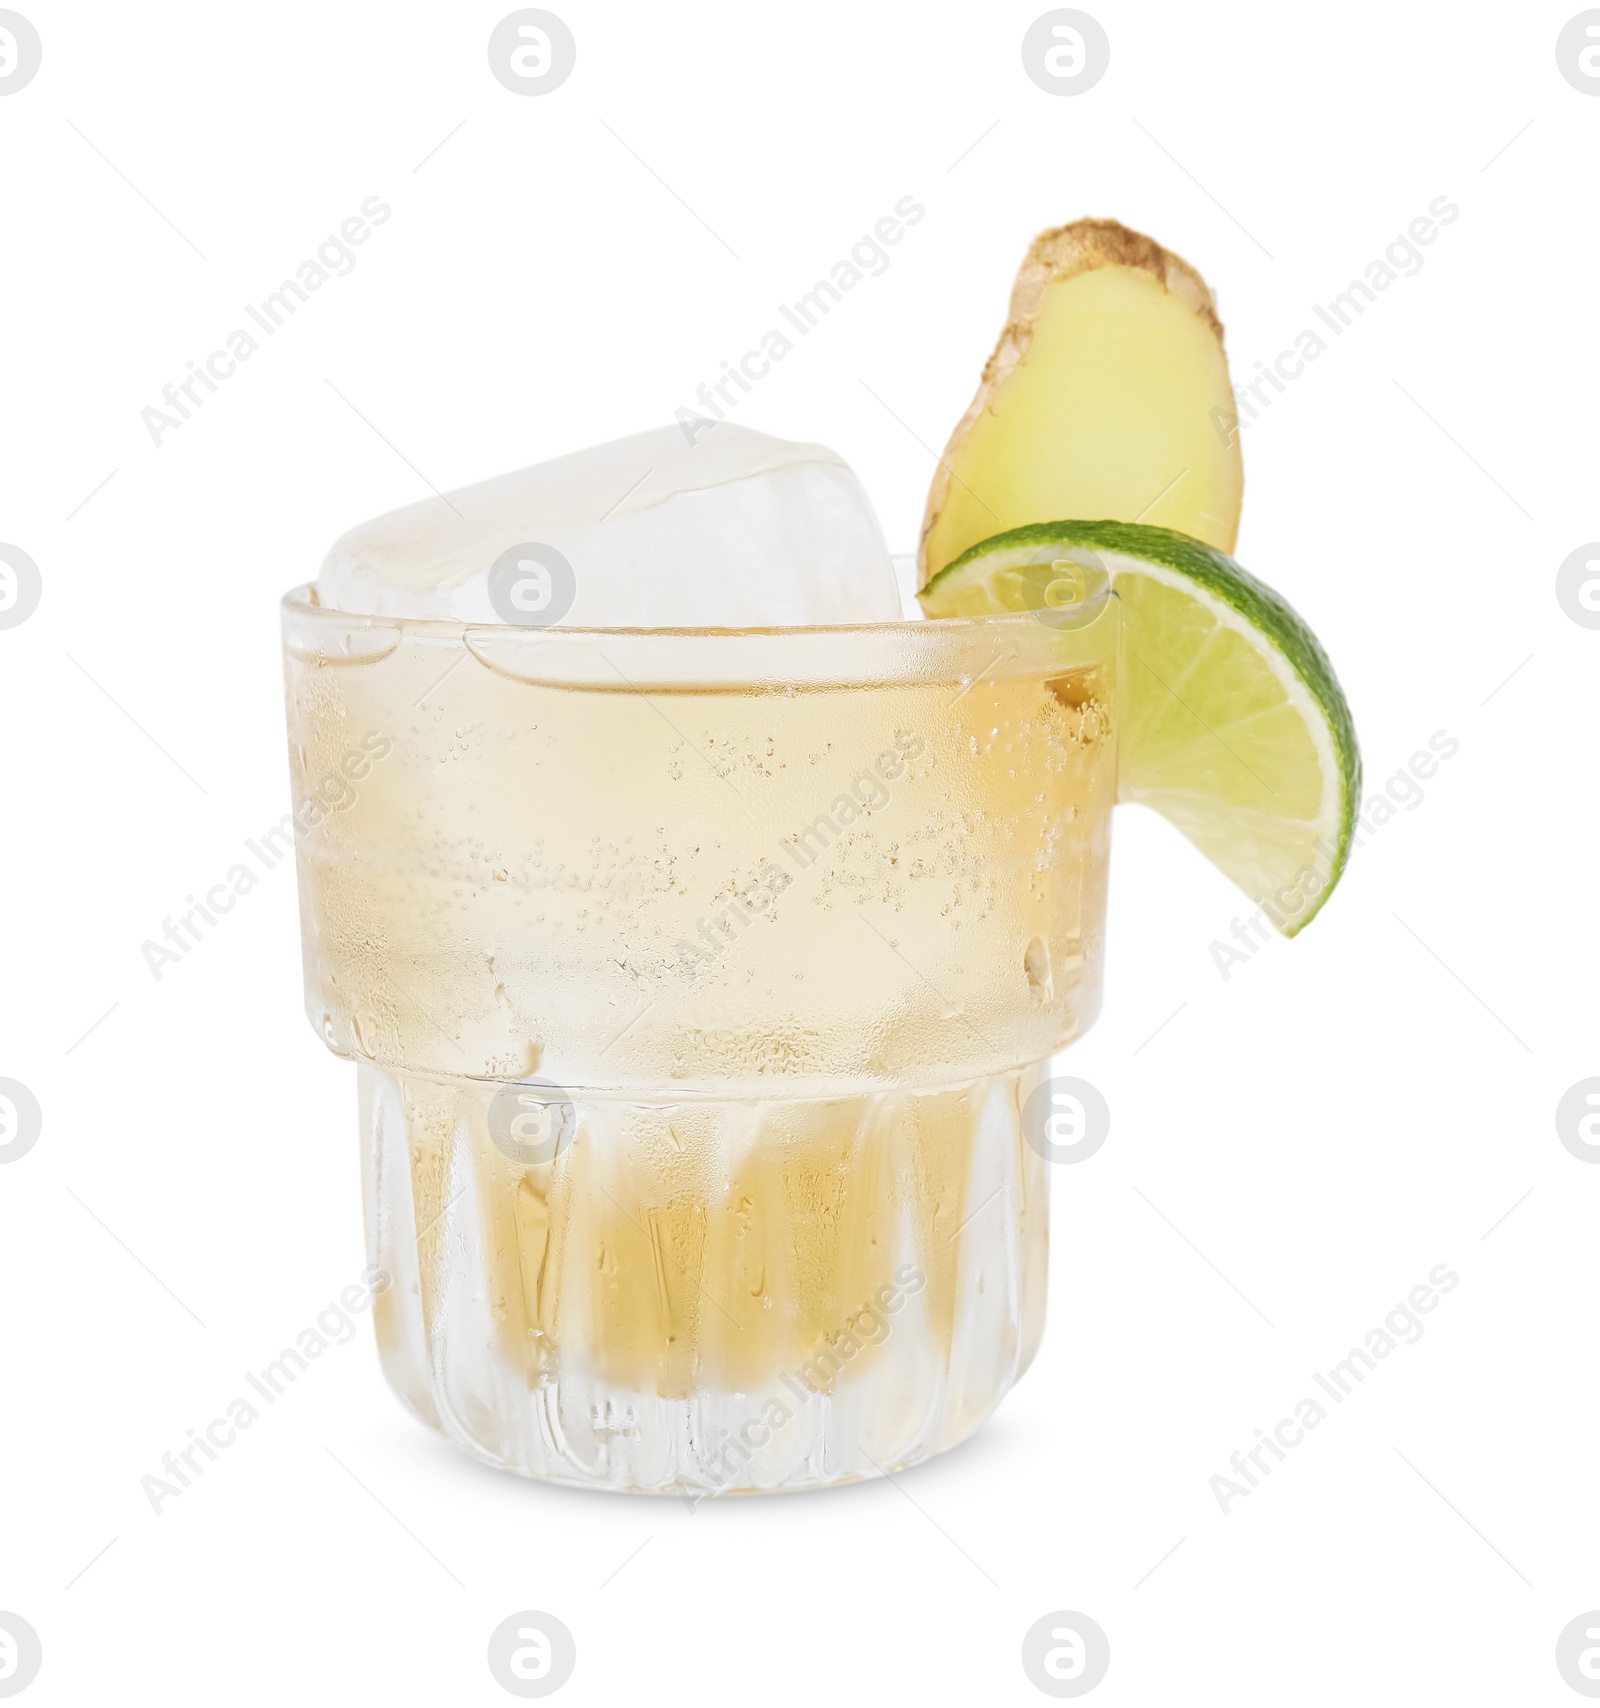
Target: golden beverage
point(695, 980)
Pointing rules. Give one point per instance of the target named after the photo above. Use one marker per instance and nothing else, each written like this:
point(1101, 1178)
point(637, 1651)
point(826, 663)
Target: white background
point(1340, 1115)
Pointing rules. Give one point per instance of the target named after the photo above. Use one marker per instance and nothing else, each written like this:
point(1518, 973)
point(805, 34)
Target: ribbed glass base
point(701, 1297)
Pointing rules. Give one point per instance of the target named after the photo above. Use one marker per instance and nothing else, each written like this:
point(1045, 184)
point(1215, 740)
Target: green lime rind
point(1265, 611)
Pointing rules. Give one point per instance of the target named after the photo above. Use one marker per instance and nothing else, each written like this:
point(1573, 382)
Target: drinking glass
point(700, 984)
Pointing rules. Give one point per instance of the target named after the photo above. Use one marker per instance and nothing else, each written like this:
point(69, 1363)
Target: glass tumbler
point(697, 981)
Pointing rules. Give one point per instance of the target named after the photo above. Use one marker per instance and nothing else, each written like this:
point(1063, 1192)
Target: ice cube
point(739, 530)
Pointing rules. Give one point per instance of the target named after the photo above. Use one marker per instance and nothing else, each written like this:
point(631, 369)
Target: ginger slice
point(1107, 398)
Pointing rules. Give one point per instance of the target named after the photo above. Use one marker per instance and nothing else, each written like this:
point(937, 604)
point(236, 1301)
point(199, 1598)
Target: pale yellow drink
point(787, 918)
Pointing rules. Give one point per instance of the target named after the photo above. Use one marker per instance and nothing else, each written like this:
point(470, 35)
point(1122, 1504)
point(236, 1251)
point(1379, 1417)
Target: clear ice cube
point(739, 530)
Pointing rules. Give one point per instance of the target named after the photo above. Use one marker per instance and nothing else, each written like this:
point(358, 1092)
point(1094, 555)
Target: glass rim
point(301, 602)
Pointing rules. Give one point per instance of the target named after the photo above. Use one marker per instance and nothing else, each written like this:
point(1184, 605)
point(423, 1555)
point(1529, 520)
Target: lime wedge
point(1233, 725)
